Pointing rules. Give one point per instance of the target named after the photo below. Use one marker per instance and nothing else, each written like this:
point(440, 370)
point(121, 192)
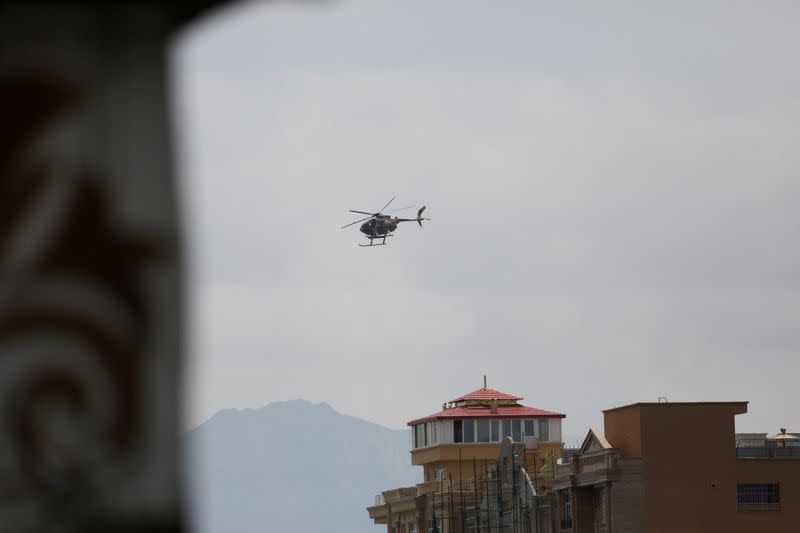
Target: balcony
point(600, 461)
point(400, 498)
point(463, 492)
point(394, 495)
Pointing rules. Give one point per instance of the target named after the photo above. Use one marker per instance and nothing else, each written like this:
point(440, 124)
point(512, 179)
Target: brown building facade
point(675, 467)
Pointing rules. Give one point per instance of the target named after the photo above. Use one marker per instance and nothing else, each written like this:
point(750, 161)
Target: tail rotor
point(419, 216)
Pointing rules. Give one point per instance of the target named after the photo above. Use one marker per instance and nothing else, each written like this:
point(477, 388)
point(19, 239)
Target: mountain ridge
point(291, 466)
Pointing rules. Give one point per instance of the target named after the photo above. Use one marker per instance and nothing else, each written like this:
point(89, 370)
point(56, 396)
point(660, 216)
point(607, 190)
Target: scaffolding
point(498, 498)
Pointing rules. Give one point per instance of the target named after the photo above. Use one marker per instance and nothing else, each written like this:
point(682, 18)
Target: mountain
point(292, 467)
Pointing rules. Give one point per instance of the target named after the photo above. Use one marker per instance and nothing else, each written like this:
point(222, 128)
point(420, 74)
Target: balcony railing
point(466, 490)
point(408, 492)
point(588, 462)
point(397, 494)
point(768, 452)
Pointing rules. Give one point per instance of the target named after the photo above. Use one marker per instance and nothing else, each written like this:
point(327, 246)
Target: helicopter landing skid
point(382, 243)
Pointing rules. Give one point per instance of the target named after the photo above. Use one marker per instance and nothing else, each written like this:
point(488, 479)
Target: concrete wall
point(623, 430)
point(627, 497)
point(554, 430)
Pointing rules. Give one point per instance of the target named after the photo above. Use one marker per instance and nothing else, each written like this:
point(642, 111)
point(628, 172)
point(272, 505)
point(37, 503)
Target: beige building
point(458, 449)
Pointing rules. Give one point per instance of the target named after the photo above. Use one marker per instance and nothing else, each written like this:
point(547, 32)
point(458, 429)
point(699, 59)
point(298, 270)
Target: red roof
point(481, 411)
point(486, 394)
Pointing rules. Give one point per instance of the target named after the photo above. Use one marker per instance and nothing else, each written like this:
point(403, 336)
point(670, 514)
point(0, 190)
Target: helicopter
point(380, 225)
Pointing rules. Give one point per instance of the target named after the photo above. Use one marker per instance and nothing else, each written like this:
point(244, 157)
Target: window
point(431, 437)
point(469, 431)
point(412, 527)
point(483, 430)
point(566, 510)
point(458, 434)
point(516, 430)
point(506, 428)
point(435, 526)
point(421, 436)
point(544, 433)
point(419, 431)
point(495, 431)
point(529, 425)
point(758, 493)
point(414, 437)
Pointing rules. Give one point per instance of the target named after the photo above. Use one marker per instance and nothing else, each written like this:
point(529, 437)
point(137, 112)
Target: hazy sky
point(614, 192)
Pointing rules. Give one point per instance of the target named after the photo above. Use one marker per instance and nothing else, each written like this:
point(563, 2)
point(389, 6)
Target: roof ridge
point(486, 394)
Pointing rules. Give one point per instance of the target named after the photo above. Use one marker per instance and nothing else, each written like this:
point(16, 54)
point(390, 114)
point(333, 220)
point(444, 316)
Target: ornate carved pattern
point(73, 313)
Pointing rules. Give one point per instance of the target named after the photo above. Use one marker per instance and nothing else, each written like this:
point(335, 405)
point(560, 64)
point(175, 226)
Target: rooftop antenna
point(484, 381)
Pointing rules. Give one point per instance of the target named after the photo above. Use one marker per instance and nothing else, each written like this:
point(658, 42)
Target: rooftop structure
point(486, 416)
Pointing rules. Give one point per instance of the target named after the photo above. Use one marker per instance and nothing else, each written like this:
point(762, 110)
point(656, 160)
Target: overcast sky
point(614, 193)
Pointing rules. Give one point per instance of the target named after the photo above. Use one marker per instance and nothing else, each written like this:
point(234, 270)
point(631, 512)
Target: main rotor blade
point(362, 212)
point(387, 204)
point(356, 222)
point(400, 209)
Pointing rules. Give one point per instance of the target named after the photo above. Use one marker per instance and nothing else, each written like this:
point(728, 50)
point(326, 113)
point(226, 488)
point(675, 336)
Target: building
point(458, 449)
point(679, 467)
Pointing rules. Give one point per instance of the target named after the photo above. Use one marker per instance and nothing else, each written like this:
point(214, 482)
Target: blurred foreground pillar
point(90, 269)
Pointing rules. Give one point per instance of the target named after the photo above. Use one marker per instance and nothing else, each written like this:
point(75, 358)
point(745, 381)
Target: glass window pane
point(544, 434)
point(413, 436)
point(483, 430)
point(457, 434)
point(506, 428)
point(495, 431)
point(529, 425)
point(516, 430)
point(469, 431)
point(426, 426)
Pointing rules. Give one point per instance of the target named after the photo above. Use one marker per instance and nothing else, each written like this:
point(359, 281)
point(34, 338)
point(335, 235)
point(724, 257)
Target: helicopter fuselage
point(379, 226)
